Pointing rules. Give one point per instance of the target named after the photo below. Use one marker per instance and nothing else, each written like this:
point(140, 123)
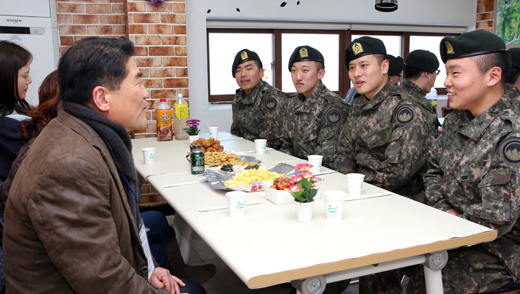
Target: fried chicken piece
point(220, 148)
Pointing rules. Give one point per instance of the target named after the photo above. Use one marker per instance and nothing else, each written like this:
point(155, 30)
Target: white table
point(268, 246)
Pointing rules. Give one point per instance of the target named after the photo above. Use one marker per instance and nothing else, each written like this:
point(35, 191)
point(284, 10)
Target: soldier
point(395, 70)
point(514, 77)
point(258, 107)
point(473, 169)
point(386, 135)
point(316, 114)
point(421, 68)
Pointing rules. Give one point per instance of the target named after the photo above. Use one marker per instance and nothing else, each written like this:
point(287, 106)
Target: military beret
point(243, 56)
point(396, 65)
point(515, 57)
point(422, 60)
point(363, 46)
point(305, 53)
point(470, 44)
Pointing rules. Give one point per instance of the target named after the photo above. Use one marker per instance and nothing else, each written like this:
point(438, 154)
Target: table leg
point(184, 234)
point(432, 271)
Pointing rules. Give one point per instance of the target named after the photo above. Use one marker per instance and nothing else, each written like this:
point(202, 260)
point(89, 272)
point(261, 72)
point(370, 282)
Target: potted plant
point(303, 190)
point(156, 2)
point(193, 129)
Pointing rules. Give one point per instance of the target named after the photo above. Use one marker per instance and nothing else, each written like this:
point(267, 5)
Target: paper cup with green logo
point(149, 155)
point(315, 160)
point(334, 201)
point(236, 203)
point(260, 145)
point(213, 132)
point(355, 184)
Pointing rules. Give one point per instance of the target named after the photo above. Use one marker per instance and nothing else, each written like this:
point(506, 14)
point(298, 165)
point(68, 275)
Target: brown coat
point(68, 226)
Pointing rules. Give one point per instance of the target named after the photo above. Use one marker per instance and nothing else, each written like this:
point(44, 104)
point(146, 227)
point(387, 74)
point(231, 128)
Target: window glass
point(222, 50)
point(327, 44)
point(430, 43)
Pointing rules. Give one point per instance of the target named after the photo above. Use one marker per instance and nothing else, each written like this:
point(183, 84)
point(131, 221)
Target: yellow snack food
point(251, 175)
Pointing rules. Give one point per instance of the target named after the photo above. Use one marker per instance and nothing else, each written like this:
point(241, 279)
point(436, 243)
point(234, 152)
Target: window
point(276, 46)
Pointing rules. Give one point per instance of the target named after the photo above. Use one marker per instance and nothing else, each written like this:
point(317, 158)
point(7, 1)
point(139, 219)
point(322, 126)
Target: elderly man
point(72, 223)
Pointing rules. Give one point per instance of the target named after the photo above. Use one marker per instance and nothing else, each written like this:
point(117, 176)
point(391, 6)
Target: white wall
point(447, 15)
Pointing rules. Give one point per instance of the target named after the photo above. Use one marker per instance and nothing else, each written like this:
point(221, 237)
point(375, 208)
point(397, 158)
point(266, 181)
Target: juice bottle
point(181, 116)
point(164, 122)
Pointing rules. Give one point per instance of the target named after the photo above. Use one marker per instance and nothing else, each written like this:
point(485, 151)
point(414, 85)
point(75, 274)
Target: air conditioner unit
point(32, 24)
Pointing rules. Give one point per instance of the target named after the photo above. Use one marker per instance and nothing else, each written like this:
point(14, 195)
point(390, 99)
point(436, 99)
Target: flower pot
point(304, 211)
point(194, 138)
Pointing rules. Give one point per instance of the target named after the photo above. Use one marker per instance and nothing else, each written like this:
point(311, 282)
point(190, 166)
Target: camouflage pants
point(469, 270)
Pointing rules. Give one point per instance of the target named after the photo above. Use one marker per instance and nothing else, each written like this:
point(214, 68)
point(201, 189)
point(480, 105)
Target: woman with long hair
point(15, 62)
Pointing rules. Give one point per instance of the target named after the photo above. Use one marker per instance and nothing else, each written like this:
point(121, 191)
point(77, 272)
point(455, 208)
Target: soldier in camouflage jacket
point(473, 170)
point(386, 139)
point(258, 108)
point(418, 95)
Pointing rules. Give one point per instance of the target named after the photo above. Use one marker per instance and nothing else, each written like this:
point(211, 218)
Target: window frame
point(344, 39)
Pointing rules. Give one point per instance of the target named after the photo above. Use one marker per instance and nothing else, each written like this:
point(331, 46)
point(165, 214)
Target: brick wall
point(159, 33)
point(486, 15)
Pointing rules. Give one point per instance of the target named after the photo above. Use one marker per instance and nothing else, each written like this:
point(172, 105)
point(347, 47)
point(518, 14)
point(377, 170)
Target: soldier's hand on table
point(162, 279)
point(453, 211)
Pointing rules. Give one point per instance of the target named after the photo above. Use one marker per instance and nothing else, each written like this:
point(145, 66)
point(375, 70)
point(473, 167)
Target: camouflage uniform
point(315, 123)
point(419, 95)
point(515, 99)
point(474, 167)
point(260, 115)
point(386, 139)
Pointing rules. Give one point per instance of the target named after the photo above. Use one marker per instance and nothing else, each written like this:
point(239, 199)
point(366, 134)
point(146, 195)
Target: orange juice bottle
point(164, 122)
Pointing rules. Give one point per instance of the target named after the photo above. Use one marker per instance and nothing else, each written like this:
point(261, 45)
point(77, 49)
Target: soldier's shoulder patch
point(510, 150)
point(333, 116)
point(405, 114)
point(270, 103)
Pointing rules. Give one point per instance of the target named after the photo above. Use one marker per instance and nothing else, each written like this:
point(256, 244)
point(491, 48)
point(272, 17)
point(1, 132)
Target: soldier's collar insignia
point(244, 55)
point(270, 103)
point(405, 114)
point(334, 116)
point(357, 48)
point(449, 48)
point(510, 150)
point(304, 53)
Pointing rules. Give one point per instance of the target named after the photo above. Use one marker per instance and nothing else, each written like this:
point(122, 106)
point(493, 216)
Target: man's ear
point(494, 76)
point(101, 98)
point(385, 65)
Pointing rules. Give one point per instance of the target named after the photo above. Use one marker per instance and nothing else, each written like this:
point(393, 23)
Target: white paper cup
point(213, 132)
point(260, 146)
point(334, 201)
point(149, 155)
point(355, 184)
point(315, 160)
point(236, 203)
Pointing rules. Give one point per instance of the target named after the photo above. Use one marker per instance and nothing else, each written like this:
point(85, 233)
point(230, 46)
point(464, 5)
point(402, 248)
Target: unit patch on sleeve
point(270, 103)
point(510, 150)
point(333, 116)
point(405, 114)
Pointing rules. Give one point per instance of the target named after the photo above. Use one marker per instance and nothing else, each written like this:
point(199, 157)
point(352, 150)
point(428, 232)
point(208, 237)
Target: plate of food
point(208, 145)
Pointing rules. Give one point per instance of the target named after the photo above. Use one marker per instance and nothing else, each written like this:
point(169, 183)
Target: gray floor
point(225, 280)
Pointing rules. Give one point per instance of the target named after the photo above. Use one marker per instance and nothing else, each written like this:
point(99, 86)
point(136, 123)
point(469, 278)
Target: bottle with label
point(164, 122)
point(181, 116)
point(196, 160)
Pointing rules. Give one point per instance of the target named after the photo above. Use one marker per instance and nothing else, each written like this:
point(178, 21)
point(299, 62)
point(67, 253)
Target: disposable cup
point(315, 160)
point(355, 184)
point(213, 132)
point(236, 203)
point(334, 201)
point(149, 155)
point(260, 146)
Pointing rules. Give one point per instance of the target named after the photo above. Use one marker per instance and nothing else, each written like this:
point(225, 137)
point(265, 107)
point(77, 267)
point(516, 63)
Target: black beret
point(470, 44)
point(243, 56)
point(515, 57)
point(305, 53)
point(363, 46)
point(422, 60)
point(396, 65)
